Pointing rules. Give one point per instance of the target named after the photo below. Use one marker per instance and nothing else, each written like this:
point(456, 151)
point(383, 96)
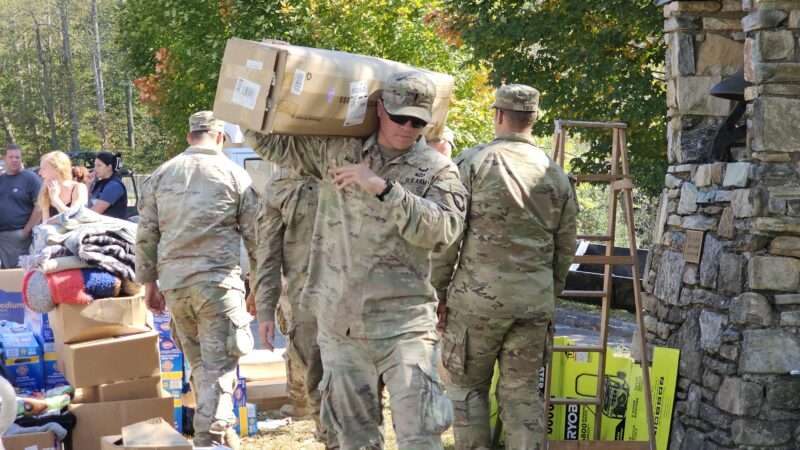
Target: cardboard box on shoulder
point(96, 420)
point(279, 88)
point(11, 306)
point(102, 318)
point(109, 360)
point(31, 441)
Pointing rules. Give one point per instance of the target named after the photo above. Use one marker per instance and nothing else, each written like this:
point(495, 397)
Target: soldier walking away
point(285, 225)
point(385, 203)
point(512, 262)
point(195, 210)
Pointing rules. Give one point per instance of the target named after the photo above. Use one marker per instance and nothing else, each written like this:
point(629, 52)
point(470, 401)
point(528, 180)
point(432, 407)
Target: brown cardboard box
point(110, 360)
point(124, 390)
point(287, 89)
point(153, 434)
point(109, 317)
point(31, 441)
point(95, 420)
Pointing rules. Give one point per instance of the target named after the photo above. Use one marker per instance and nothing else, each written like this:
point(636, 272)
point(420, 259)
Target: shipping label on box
point(11, 306)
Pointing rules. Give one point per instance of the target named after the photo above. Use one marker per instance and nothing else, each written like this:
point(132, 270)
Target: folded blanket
point(42, 292)
point(63, 263)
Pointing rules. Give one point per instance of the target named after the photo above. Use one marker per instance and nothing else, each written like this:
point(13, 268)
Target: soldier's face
point(397, 136)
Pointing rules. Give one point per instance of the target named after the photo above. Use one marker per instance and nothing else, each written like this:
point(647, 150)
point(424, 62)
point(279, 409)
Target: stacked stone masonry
point(735, 315)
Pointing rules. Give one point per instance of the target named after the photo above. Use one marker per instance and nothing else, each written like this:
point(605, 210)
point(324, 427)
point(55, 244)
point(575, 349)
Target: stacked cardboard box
point(108, 351)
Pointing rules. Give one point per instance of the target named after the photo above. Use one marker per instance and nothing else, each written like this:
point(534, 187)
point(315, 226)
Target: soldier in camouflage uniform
point(194, 211)
point(285, 225)
point(513, 260)
point(385, 203)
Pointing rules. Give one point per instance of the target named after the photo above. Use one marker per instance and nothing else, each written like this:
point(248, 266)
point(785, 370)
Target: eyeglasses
point(402, 120)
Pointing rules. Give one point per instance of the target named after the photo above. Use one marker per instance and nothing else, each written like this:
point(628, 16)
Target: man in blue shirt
point(18, 212)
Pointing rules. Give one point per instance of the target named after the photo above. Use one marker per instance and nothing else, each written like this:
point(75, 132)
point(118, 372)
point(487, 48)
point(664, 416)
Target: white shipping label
point(298, 82)
point(245, 93)
point(253, 64)
point(357, 105)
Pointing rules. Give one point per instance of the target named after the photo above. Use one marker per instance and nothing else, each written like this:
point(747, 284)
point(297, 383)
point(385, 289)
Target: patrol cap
point(516, 97)
point(205, 121)
point(409, 94)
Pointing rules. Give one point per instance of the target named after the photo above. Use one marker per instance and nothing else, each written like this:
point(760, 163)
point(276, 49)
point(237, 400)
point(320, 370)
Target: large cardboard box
point(111, 360)
point(31, 441)
point(287, 89)
point(103, 318)
point(11, 306)
point(95, 420)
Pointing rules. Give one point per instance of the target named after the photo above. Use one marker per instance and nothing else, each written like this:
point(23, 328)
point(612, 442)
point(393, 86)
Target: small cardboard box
point(95, 420)
point(31, 441)
point(279, 88)
point(169, 354)
point(11, 306)
point(154, 434)
point(112, 359)
point(124, 390)
point(22, 358)
point(103, 318)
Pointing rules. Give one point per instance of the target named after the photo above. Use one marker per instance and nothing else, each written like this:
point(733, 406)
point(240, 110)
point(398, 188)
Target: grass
point(299, 435)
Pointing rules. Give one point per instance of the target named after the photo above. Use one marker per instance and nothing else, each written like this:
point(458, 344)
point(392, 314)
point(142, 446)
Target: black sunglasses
point(402, 120)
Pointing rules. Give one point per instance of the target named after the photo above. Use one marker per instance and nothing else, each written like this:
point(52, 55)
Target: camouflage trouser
point(356, 370)
point(470, 346)
point(201, 316)
point(306, 365)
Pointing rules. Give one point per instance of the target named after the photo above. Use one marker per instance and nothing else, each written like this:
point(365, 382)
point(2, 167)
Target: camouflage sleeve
point(147, 235)
point(269, 261)
point(248, 225)
point(304, 154)
point(436, 220)
point(565, 243)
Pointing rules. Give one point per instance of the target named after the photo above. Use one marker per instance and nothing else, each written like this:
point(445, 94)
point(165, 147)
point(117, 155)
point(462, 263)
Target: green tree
point(591, 60)
point(175, 48)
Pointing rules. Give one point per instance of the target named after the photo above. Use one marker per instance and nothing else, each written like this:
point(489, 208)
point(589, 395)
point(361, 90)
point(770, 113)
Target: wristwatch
point(386, 190)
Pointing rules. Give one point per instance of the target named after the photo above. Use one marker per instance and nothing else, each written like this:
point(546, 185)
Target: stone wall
point(735, 314)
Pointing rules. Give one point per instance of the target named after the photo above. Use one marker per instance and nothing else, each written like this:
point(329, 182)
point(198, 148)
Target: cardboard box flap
point(123, 311)
point(153, 432)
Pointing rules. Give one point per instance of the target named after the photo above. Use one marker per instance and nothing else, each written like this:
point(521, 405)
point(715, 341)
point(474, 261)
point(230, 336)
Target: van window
point(260, 171)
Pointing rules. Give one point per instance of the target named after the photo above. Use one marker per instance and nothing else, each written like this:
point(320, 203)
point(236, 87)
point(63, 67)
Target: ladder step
point(597, 177)
point(594, 237)
point(616, 260)
point(579, 348)
point(574, 401)
point(583, 294)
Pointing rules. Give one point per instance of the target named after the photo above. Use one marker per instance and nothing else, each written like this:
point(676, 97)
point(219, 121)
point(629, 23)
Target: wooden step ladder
point(619, 181)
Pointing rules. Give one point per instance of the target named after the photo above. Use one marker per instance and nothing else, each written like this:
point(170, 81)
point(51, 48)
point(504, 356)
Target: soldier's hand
point(266, 331)
point(441, 314)
point(359, 174)
point(251, 303)
point(155, 301)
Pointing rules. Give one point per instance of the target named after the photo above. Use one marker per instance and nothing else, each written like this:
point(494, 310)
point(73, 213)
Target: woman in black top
point(109, 195)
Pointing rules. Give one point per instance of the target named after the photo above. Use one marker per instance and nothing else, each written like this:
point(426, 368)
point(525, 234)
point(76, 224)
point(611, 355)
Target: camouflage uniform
point(369, 275)
point(195, 210)
point(514, 257)
point(285, 223)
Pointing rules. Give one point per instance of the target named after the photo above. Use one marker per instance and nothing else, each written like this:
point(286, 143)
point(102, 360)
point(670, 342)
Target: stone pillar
point(724, 275)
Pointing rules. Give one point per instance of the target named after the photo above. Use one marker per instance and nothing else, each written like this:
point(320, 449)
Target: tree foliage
point(591, 60)
point(175, 48)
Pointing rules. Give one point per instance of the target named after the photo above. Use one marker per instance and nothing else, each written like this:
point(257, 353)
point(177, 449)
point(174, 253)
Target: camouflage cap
point(516, 97)
point(205, 121)
point(409, 94)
